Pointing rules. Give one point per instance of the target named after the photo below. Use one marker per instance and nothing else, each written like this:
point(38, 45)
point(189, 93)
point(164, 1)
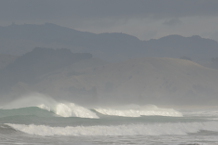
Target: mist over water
point(40, 116)
point(70, 109)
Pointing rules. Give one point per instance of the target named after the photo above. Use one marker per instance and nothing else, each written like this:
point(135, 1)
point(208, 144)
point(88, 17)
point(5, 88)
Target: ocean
point(45, 121)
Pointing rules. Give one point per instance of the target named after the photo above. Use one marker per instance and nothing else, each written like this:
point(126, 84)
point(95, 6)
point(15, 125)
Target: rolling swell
point(5, 129)
point(47, 107)
point(61, 110)
point(39, 105)
point(155, 129)
point(73, 110)
point(28, 111)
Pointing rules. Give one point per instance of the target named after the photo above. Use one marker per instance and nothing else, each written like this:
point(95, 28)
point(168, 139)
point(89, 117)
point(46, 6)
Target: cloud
point(172, 22)
point(135, 17)
point(98, 9)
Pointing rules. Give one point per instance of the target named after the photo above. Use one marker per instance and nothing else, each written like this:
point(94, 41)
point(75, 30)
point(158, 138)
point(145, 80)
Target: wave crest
point(62, 109)
point(69, 109)
point(137, 111)
point(155, 129)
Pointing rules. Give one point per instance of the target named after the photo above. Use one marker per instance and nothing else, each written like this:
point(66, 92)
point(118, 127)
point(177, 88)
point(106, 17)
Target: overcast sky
point(144, 19)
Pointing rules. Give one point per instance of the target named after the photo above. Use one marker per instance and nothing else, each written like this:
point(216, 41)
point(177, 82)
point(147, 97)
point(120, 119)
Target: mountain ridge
point(19, 39)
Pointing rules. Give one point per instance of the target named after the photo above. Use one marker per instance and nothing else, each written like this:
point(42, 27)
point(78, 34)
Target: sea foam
point(137, 111)
point(154, 129)
point(70, 109)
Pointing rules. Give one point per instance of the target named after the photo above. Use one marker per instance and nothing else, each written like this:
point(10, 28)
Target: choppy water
point(40, 121)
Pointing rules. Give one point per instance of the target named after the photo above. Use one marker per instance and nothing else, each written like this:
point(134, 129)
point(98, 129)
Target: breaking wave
point(137, 111)
point(62, 109)
point(154, 129)
point(69, 109)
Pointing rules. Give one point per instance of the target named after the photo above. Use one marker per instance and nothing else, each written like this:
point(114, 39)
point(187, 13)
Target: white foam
point(155, 129)
point(62, 109)
point(71, 109)
point(43, 106)
point(137, 111)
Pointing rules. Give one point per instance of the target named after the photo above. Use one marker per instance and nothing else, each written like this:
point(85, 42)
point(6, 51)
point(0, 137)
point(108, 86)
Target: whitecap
point(155, 129)
point(137, 111)
point(61, 109)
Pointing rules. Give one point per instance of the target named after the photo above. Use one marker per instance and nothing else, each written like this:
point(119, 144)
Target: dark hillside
point(20, 39)
point(36, 63)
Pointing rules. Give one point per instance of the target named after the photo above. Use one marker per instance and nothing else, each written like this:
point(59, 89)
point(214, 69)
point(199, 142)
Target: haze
point(94, 51)
point(143, 19)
